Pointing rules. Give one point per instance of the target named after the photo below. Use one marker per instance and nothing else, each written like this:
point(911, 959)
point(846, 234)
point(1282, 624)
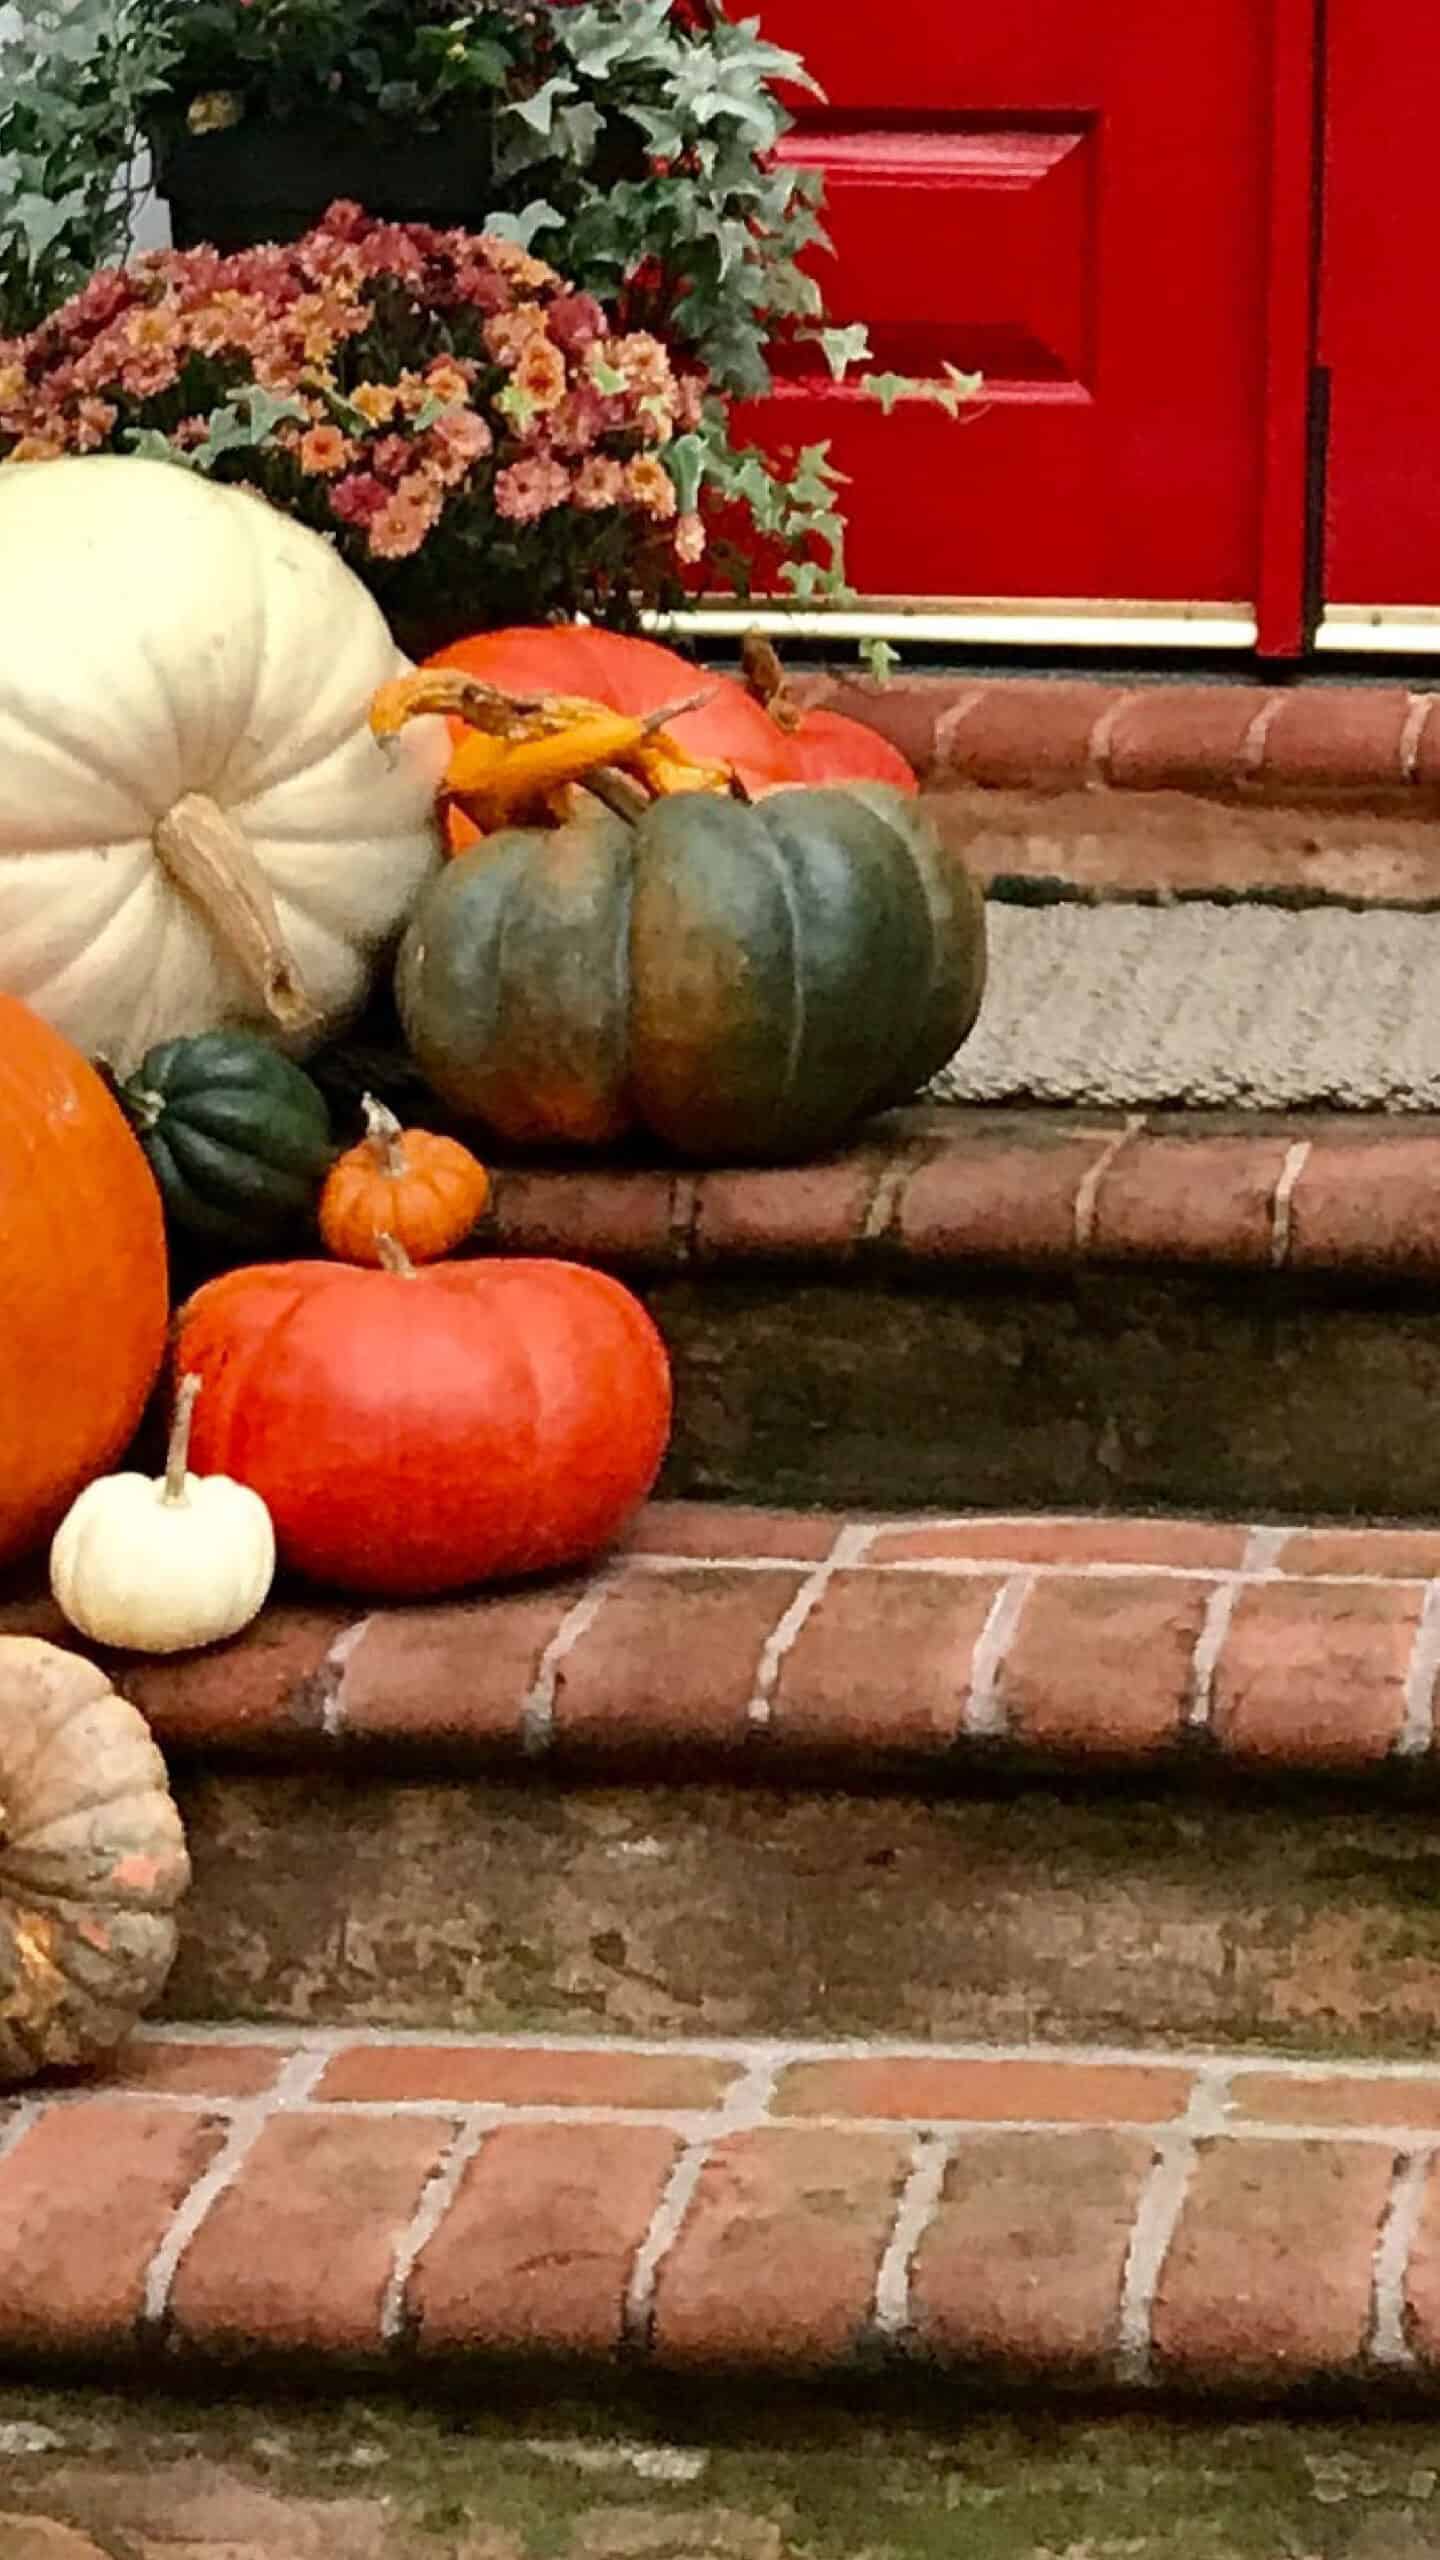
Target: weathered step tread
point(1127, 2220)
point(750, 1642)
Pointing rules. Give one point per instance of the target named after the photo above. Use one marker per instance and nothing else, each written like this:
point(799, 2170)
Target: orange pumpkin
point(413, 1432)
point(83, 1282)
point(628, 676)
point(424, 1193)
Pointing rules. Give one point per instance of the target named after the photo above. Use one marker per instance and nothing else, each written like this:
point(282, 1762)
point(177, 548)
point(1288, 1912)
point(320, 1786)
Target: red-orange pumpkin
point(83, 1284)
point(417, 1431)
point(827, 750)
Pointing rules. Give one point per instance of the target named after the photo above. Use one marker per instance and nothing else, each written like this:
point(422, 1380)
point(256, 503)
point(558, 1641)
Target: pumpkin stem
point(209, 859)
point(386, 1138)
point(766, 679)
point(177, 1455)
point(621, 795)
point(394, 1258)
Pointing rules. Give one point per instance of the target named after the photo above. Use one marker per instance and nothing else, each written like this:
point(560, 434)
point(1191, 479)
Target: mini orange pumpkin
point(422, 1192)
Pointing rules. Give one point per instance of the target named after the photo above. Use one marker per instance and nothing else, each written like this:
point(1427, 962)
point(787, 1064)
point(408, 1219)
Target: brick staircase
point(955, 1894)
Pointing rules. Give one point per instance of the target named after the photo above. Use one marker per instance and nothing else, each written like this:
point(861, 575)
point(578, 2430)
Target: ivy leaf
point(843, 347)
point(686, 460)
point(538, 111)
point(880, 658)
point(888, 389)
point(522, 227)
point(148, 444)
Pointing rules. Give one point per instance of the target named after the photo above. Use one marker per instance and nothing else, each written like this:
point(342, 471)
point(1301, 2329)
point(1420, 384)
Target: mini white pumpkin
point(197, 827)
point(164, 1564)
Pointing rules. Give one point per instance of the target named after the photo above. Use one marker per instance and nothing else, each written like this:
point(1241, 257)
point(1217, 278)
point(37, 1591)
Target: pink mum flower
point(690, 540)
point(324, 451)
point(525, 490)
point(648, 485)
point(359, 498)
point(599, 483)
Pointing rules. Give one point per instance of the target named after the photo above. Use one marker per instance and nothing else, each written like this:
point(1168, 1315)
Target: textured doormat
point(1249, 1007)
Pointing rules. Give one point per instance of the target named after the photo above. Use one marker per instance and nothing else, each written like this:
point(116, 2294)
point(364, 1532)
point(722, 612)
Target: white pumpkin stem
point(394, 1258)
point(386, 1138)
point(208, 857)
point(177, 1455)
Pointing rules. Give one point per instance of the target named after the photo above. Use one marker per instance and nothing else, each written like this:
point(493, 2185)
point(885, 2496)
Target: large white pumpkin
point(197, 827)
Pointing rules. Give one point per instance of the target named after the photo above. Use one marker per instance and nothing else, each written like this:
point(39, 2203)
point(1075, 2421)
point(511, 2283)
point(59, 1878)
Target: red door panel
point(1071, 196)
point(1378, 328)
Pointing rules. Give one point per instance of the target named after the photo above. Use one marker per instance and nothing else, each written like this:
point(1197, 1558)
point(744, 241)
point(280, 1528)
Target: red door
point(1103, 206)
point(1379, 324)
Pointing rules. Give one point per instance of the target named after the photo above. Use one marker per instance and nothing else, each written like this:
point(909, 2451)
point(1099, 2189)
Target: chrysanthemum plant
point(633, 140)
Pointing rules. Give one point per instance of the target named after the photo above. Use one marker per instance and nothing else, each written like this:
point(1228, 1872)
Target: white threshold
point(1391, 630)
point(979, 622)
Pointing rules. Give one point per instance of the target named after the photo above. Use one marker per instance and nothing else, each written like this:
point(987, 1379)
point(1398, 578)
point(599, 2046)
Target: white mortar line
point(1296, 1159)
point(1261, 1560)
point(1388, 2343)
point(332, 1676)
point(885, 1197)
point(248, 2119)
point(848, 1549)
point(1417, 1732)
point(1416, 720)
point(983, 1713)
point(439, 2193)
point(1097, 745)
point(1087, 1197)
point(979, 1567)
point(1256, 1565)
point(746, 2106)
point(1250, 760)
point(916, 2208)
point(1157, 2218)
point(537, 1712)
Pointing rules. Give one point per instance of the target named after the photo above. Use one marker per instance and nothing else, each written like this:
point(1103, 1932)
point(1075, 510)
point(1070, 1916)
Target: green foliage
point(633, 141)
point(76, 77)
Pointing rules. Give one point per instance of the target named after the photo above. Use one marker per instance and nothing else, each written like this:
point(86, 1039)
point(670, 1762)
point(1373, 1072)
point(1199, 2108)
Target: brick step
point(1039, 1310)
point(759, 1644)
point(1152, 2225)
point(792, 1774)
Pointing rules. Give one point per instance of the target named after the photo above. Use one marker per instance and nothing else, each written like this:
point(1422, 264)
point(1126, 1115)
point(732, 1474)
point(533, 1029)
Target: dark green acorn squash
point(742, 982)
point(238, 1139)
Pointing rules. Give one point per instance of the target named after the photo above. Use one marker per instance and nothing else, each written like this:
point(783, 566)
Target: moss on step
point(719, 1910)
point(706, 2479)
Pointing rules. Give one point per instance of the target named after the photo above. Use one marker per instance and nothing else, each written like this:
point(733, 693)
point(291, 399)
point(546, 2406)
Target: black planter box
point(259, 182)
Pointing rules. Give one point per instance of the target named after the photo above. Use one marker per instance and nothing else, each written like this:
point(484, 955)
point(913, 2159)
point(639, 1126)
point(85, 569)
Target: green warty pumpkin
point(742, 982)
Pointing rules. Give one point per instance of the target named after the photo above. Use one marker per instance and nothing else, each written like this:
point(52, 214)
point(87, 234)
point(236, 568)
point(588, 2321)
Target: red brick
point(998, 1201)
point(1422, 2277)
point(1102, 1666)
point(1368, 1204)
point(1204, 1545)
point(792, 1210)
point(1337, 737)
point(914, 2089)
point(883, 1663)
point(1268, 2279)
point(1024, 2262)
point(777, 2259)
point(536, 2251)
point(1341, 2098)
point(1313, 1674)
point(731, 1529)
point(266, 1687)
point(1208, 1200)
point(1017, 732)
point(585, 1216)
point(298, 2253)
point(458, 1673)
point(1184, 737)
point(203, 2070)
point(527, 2076)
point(86, 2198)
point(671, 1660)
point(1399, 1554)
